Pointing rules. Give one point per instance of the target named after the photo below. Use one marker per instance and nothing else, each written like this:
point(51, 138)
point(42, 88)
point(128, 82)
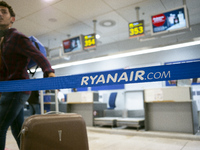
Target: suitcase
point(66, 131)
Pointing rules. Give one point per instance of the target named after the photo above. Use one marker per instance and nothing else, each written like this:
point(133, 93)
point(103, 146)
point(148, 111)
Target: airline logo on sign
point(124, 77)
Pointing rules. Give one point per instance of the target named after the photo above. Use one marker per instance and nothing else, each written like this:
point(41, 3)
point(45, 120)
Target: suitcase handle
point(53, 112)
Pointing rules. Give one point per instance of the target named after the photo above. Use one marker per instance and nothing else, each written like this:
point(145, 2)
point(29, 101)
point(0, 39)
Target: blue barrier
point(123, 76)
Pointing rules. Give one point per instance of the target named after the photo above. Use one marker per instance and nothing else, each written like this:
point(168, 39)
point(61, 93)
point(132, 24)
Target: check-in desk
point(171, 110)
point(85, 104)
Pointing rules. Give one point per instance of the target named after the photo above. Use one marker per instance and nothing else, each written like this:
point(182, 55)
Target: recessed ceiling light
point(52, 19)
point(98, 36)
point(107, 23)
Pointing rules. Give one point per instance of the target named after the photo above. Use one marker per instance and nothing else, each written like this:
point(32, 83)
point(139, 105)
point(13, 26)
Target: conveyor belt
point(118, 121)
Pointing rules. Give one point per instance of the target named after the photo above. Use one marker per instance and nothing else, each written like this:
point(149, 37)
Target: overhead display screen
point(89, 41)
point(72, 45)
point(136, 29)
point(170, 21)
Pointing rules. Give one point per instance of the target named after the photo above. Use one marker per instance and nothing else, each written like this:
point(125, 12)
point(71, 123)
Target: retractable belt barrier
point(123, 76)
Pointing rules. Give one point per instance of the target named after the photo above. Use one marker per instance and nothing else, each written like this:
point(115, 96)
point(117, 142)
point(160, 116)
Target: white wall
point(134, 100)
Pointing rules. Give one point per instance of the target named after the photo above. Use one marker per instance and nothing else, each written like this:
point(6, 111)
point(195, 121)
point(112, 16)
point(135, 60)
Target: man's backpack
point(41, 48)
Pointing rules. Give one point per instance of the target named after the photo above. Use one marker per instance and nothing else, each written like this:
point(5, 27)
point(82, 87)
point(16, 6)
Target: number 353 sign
point(136, 29)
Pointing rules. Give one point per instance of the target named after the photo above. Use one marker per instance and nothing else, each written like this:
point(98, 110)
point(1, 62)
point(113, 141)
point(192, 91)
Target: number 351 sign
point(136, 29)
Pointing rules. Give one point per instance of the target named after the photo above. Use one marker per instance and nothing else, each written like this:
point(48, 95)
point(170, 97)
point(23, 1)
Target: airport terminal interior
point(111, 43)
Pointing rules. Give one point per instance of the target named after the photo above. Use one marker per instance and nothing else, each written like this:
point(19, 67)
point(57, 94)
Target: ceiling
point(52, 21)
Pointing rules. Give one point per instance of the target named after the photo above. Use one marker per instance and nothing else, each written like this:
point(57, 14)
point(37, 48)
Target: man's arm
point(27, 49)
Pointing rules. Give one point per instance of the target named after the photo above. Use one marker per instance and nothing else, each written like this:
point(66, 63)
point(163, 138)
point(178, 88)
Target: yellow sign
point(89, 41)
point(136, 29)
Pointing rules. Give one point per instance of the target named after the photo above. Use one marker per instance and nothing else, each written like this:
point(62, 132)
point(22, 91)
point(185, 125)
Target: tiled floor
point(122, 139)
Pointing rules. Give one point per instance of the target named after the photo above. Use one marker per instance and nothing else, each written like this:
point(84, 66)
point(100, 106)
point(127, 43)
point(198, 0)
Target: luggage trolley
point(42, 101)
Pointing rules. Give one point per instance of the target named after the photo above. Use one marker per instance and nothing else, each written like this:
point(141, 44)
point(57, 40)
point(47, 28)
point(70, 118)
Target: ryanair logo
point(125, 77)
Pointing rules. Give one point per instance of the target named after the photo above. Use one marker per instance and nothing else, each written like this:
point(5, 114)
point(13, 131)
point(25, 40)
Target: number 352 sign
point(136, 29)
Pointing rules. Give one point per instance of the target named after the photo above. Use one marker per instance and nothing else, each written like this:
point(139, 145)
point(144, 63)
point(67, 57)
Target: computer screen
point(72, 45)
point(172, 20)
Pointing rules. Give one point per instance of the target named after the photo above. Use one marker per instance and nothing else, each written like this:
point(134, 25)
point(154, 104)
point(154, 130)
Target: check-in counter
point(171, 110)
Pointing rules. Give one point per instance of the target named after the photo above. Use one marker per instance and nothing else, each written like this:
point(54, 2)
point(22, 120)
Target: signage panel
point(170, 21)
point(89, 41)
point(136, 29)
point(72, 45)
